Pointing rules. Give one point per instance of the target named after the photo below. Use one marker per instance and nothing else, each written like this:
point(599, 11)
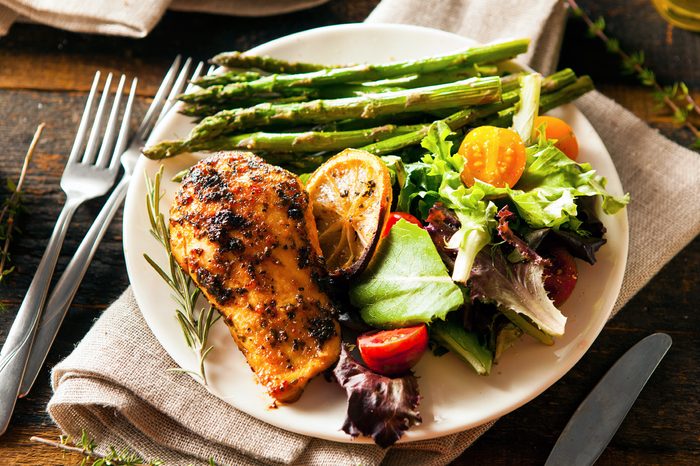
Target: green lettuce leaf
point(548, 188)
point(527, 108)
point(478, 221)
point(406, 283)
point(465, 345)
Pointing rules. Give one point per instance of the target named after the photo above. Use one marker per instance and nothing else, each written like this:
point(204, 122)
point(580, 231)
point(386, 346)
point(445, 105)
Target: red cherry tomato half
point(561, 276)
point(393, 352)
point(395, 217)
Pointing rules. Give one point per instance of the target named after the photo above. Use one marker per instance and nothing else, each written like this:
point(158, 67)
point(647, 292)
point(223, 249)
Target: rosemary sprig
point(676, 96)
point(11, 207)
point(86, 447)
point(195, 325)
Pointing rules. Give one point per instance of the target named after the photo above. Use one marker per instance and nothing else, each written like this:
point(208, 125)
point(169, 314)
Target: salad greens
point(549, 186)
point(406, 283)
point(516, 287)
point(527, 108)
point(494, 255)
point(379, 407)
point(464, 344)
point(437, 178)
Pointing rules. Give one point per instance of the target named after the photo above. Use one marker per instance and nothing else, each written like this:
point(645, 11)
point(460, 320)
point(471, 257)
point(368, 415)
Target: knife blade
point(599, 416)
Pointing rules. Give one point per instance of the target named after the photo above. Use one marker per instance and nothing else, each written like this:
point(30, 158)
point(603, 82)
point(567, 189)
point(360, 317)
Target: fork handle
point(15, 351)
point(63, 293)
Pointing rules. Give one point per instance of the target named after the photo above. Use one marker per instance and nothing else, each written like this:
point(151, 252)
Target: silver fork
point(67, 286)
point(84, 178)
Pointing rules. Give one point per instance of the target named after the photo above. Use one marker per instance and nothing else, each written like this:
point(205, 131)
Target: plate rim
point(340, 436)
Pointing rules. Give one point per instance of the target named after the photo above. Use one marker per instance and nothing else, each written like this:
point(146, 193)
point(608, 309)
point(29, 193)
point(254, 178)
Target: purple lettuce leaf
point(442, 224)
point(379, 407)
point(583, 243)
point(507, 234)
point(517, 288)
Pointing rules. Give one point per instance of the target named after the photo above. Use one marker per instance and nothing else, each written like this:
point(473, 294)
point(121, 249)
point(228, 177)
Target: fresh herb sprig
point(676, 96)
point(86, 446)
point(11, 207)
point(195, 325)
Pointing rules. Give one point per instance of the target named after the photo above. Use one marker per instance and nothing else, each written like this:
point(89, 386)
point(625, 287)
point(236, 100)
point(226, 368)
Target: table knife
point(599, 416)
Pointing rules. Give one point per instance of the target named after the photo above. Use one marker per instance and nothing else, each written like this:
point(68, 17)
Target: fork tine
point(158, 99)
point(91, 148)
point(180, 83)
point(177, 88)
point(110, 136)
point(211, 69)
point(82, 128)
point(195, 74)
point(123, 138)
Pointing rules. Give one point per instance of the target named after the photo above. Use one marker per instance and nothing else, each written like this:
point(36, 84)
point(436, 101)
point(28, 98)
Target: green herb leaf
point(406, 283)
point(194, 325)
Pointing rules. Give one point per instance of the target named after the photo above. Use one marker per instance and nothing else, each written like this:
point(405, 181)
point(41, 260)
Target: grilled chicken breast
point(244, 230)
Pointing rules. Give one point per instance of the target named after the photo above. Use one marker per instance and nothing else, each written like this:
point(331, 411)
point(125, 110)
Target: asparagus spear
point(439, 77)
point(211, 103)
point(226, 78)
point(361, 73)
point(206, 109)
point(405, 82)
point(265, 63)
point(307, 141)
point(216, 95)
point(455, 121)
point(475, 91)
point(343, 90)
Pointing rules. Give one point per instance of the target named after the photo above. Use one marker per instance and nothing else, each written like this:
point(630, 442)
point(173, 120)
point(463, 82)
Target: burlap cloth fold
point(115, 383)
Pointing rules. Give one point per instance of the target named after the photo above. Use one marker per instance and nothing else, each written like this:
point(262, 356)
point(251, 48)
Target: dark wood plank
point(27, 453)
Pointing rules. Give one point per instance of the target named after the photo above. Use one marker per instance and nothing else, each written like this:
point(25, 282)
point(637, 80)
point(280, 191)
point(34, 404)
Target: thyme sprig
point(11, 207)
point(675, 96)
point(86, 447)
point(195, 324)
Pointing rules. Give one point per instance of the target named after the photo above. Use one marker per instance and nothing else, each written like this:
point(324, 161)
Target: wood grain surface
point(44, 76)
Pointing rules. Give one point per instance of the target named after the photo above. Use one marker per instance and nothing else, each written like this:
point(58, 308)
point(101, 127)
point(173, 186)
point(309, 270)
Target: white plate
point(454, 397)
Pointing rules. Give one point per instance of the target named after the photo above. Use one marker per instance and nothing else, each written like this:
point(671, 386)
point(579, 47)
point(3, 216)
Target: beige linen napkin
point(115, 383)
point(133, 18)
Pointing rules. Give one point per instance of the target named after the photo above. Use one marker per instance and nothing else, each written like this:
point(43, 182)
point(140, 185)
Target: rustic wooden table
point(44, 77)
